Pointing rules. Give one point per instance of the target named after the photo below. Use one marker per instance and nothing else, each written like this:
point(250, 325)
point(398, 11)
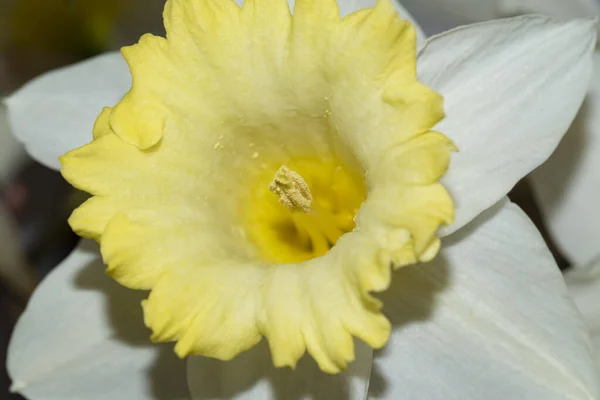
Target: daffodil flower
point(262, 177)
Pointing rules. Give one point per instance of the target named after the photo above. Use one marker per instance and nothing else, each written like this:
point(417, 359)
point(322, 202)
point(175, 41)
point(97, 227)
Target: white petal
point(55, 112)
point(490, 319)
point(584, 286)
point(251, 376)
point(82, 337)
point(567, 186)
point(511, 89)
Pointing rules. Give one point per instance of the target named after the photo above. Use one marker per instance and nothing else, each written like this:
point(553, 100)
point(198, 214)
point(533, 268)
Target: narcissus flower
point(266, 172)
point(260, 184)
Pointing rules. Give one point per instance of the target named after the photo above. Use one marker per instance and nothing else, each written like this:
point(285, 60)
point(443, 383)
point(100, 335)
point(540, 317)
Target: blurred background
point(37, 36)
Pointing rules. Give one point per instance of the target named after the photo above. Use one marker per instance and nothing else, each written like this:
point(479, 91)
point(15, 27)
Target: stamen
point(292, 190)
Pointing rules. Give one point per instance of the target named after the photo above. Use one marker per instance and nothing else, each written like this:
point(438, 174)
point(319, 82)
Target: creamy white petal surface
point(55, 112)
point(511, 89)
point(490, 319)
point(251, 376)
point(567, 186)
point(82, 337)
point(584, 286)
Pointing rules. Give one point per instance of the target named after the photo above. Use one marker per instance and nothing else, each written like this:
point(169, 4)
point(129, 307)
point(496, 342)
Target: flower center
point(315, 204)
point(292, 190)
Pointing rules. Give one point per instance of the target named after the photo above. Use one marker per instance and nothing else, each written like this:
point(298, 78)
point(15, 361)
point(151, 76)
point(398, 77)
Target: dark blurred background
point(37, 36)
